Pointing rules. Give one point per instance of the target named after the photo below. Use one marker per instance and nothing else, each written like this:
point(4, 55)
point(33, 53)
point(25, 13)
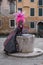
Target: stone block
point(26, 43)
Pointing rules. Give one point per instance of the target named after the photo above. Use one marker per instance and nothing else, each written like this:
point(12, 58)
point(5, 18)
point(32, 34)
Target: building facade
point(7, 21)
point(33, 10)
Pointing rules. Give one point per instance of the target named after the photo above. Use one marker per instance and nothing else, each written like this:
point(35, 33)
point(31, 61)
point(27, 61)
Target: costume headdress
point(19, 16)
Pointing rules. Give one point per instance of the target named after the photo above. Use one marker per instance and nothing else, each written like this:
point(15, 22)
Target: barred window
point(12, 23)
point(0, 23)
point(12, 8)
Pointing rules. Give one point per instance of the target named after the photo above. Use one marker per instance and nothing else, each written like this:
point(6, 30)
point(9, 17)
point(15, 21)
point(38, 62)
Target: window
point(0, 5)
point(12, 23)
point(32, 0)
point(19, 9)
point(0, 23)
point(12, 8)
point(19, 0)
point(40, 2)
point(0, 8)
point(32, 24)
point(40, 11)
point(32, 12)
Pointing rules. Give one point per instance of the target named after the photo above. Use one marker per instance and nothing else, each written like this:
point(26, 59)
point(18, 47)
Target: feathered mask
point(19, 16)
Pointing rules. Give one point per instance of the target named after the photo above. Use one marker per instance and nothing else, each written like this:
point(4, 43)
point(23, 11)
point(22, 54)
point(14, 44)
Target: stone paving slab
point(33, 54)
point(9, 60)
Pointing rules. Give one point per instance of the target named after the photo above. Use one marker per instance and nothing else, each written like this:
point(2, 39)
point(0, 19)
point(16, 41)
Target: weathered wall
point(5, 24)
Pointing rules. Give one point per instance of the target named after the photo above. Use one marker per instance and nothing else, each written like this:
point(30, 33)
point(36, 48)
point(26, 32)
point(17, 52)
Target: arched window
point(40, 25)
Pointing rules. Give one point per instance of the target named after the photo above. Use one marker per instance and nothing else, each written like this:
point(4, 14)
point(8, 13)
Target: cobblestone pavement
point(8, 60)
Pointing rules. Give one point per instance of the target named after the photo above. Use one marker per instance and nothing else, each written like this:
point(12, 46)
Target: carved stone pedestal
point(26, 43)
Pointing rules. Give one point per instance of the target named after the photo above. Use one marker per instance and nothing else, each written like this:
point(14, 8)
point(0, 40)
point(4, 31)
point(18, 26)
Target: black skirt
point(11, 44)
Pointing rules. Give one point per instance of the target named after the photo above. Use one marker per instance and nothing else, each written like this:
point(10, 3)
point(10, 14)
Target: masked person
point(11, 44)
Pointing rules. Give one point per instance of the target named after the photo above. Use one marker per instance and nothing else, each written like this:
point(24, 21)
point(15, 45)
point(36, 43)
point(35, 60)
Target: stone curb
point(35, 53)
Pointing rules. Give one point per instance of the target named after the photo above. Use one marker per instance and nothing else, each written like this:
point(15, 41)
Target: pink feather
point(19, 16)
